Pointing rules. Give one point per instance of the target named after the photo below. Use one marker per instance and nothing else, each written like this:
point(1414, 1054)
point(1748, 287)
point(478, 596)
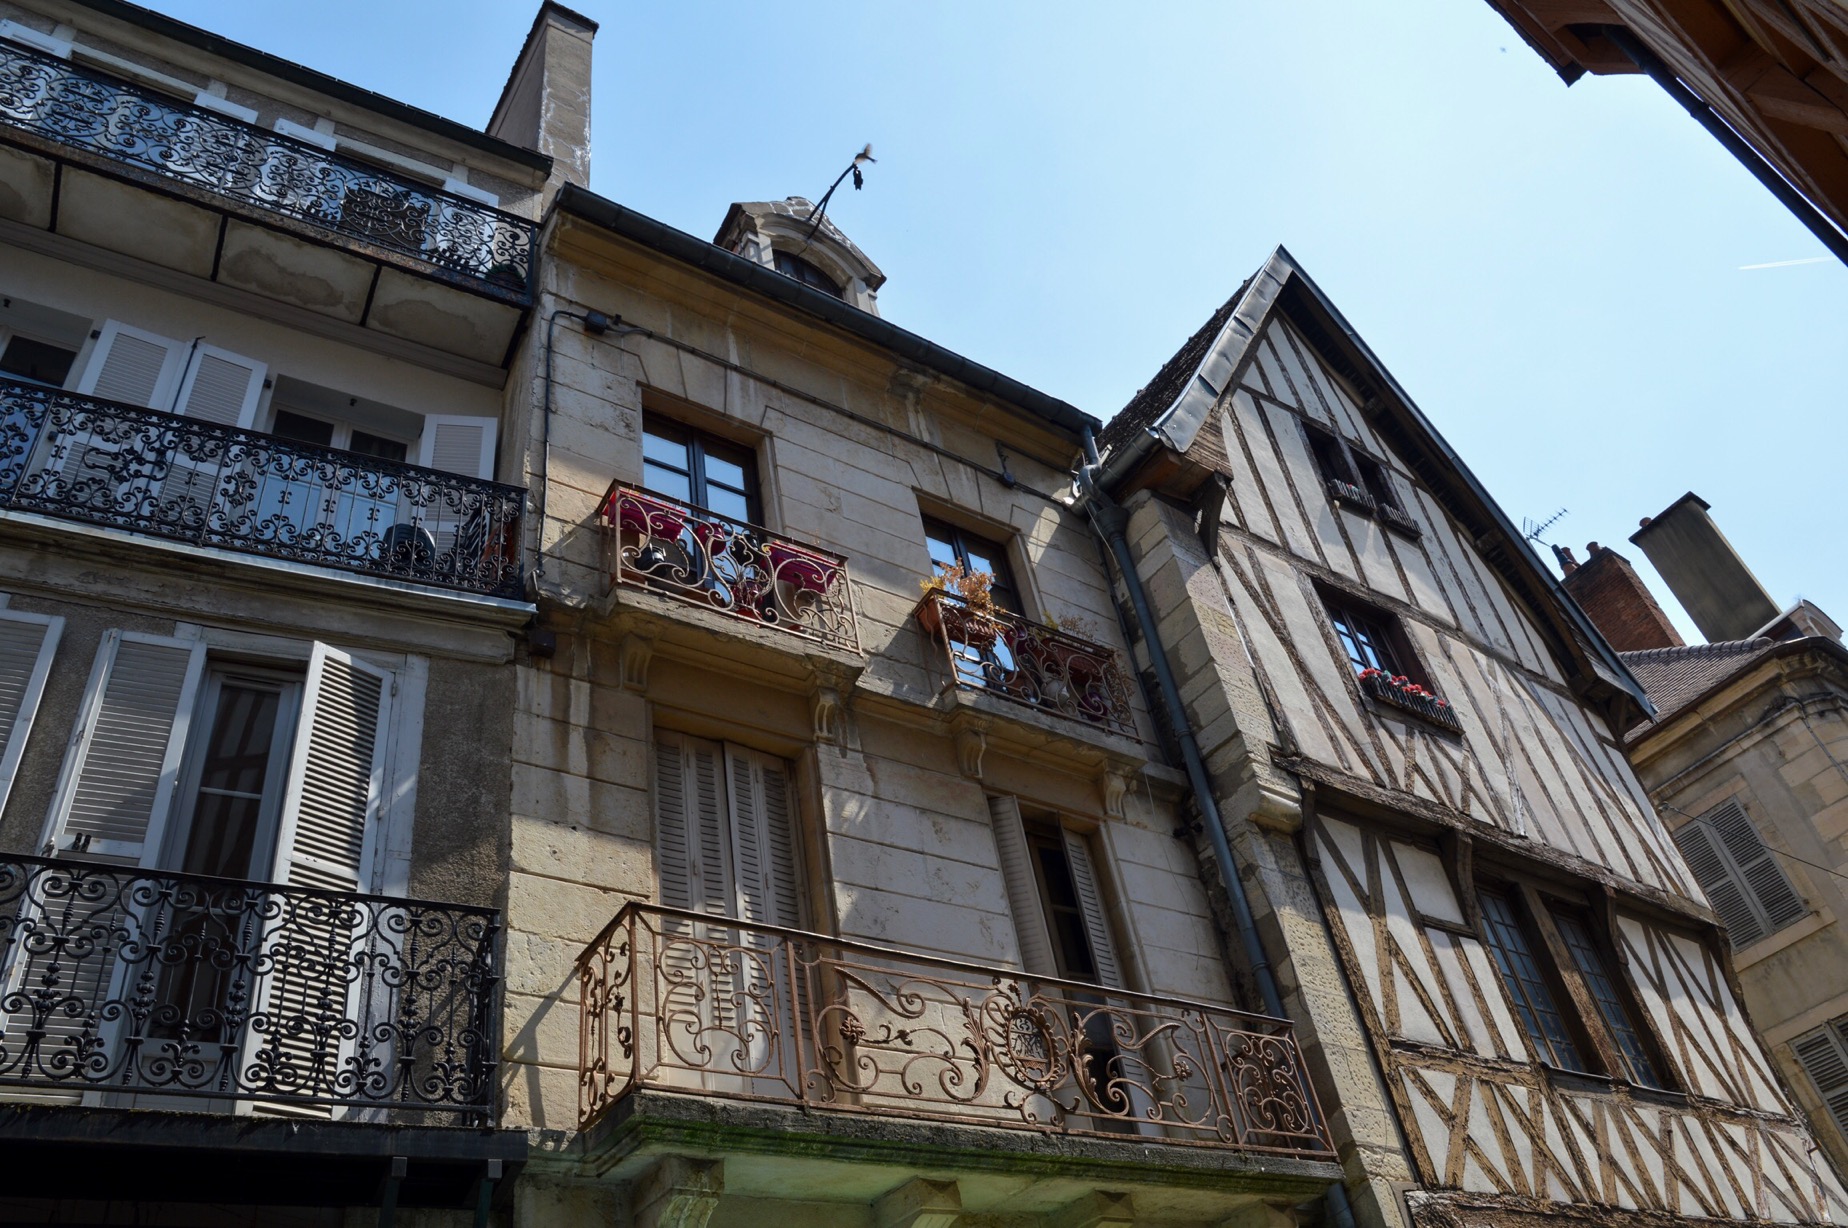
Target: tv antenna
point(1533, 530)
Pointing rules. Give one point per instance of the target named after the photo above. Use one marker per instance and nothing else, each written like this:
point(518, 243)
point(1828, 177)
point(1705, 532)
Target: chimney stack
point(1705, 573)
point(545, 105)
point(1619, 605)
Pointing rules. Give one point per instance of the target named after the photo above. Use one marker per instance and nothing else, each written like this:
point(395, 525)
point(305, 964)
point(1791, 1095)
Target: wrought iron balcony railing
point(730, 566)
point(686, 1002)
point(1028, 662)
point(137, 985)
point(53, 100)
point(188, 480)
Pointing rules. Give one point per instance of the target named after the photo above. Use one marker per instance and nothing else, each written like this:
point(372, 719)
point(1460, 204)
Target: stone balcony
point(102, 161)
point(686, 1003)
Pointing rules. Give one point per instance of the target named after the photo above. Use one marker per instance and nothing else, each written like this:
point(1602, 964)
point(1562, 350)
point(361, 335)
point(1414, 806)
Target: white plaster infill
point(401, 593)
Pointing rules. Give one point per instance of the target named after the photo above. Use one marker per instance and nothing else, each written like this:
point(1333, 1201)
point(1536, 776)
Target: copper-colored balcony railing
point(60, 107)
point(727, 565)
point(684, 1002)
point(1028, 662)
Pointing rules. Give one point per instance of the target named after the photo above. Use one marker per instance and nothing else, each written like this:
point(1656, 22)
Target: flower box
point(1401, 692)
point(1347, 492)
point(1393, 518)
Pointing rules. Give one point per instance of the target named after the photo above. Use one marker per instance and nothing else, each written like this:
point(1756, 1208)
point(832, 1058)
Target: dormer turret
point(782, 235)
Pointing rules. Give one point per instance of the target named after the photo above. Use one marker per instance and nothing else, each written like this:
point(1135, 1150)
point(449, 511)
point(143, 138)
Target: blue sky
point(1066, 190)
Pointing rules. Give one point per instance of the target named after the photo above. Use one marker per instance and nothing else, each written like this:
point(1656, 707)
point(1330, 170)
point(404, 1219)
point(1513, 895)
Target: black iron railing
point(53, 100)
point(688, 1002)
point(1028, 662)
point(1401, 692)
point(188, 480)
point(136, 985)
point(726, 565)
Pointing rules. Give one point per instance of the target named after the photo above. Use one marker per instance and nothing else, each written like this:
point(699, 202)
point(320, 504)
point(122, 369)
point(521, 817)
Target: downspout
point(1817, 222)
point(1109, 522)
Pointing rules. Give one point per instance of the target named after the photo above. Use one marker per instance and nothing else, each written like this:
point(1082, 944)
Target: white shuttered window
point(27, 644)
point(1743, 882)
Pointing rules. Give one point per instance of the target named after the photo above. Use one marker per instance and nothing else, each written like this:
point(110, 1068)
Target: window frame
point(1706, 826)
point(1354, 476)
point(1005, 588)
point(1520, 922)
point(699, 444)
point(1396, 656)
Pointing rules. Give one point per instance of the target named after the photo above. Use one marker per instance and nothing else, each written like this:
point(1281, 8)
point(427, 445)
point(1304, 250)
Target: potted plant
point(969, 617)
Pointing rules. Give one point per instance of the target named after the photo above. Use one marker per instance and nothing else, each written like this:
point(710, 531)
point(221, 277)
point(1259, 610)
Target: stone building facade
point(260, 588)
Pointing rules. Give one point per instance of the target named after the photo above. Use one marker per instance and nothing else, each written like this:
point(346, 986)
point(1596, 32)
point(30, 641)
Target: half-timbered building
point(1500, 963)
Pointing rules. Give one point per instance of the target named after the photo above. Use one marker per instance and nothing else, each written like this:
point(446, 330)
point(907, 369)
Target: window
point(1370, 638)
point(1823, 1054)
point(1357, 479)
point(1741, 876)
point(1527, 986)
point(951, 546)
point(41, 362)
point(1330, 457)
point(1053, 891)
point(724, 831)
point(306, 429)
point(1373, 477)
point(1613, 1011)
point(792, 265)
point(699, 469)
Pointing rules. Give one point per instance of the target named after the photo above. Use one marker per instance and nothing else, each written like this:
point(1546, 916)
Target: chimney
point(1707, 576)
point(1619, 605)
point(546, 103)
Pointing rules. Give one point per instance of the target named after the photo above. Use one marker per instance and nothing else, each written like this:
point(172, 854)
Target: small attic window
point(791, 265)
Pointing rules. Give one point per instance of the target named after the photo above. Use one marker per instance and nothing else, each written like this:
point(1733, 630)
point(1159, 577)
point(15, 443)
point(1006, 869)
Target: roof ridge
point(1680, 652)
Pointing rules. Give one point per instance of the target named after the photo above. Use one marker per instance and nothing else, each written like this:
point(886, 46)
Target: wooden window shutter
point(327, 841)
point(1023, 895)
point(221, 387)
point(763, 839)
point(1091, 904)
point(119, 774)
point(27, 644)
point(1823, 1054)
point(133, 365)
point(1747, 888)
point(673, 857)
point(458, 445)
point(691, 845)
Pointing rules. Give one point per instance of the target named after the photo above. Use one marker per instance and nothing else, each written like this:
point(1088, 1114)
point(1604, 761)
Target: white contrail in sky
point(1784, 264)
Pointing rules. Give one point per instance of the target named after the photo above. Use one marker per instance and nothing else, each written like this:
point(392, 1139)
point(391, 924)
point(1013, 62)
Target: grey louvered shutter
point(27, 644)
point(124, 760)
point(1724, 892)
point(1091, 904)
point(673, 859)
point(1023, 895)
point(1823, 1055)
point(763, 839)
point(327, 842)
point(1740, 875)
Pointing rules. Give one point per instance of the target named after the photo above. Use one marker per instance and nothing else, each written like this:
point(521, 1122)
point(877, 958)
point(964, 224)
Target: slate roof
point(1153, 398)
point(1675, 677)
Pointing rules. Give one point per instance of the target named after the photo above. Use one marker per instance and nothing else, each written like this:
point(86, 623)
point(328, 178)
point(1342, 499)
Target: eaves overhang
point(748, 274)
point(163, 26)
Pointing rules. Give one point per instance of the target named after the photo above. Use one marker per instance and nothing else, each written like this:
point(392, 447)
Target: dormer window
point(791, 265)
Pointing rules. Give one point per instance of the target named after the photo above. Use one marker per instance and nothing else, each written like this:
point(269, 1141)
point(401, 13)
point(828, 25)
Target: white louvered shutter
point(221, 387)
point(119, 774)
point(27, 644)
point(1023, 895)
point(327, 841)
point(458, 445)
point(1743, 882)
point(1823, 1055)
point(133, 365)
point(1091, 904)
point(112, 805)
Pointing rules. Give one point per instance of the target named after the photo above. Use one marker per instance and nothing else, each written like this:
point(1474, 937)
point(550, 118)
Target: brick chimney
point(1619, 605)
point(1705, 573)
point(545, 105)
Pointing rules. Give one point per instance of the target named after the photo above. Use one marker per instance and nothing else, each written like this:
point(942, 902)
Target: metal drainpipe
point(1818, 223)
point(1109, 521)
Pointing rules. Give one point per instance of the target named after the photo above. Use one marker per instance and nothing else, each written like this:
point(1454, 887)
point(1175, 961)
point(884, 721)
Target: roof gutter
point(709, 257)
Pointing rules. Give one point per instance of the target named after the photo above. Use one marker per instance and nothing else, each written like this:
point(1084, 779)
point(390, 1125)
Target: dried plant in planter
point(971, 618)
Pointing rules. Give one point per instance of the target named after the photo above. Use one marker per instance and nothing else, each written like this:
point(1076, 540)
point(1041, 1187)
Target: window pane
point(302, 428)
point(1533, 1001)
point(724, 472)
point(666, 482)
point(1062, 912)
point(375, 445)
point(728, 503)
point(37, 361)
point(223, 836)
point(1591, 966)
point(669, 452)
